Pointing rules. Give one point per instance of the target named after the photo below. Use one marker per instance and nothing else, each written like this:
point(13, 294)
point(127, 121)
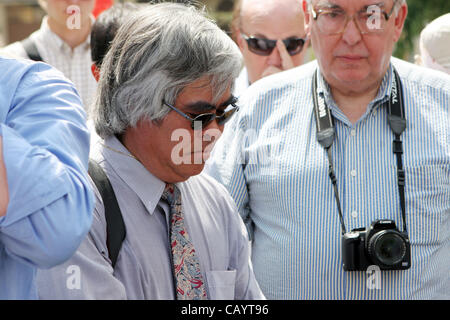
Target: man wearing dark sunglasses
point(159, 104)
point(271, 37)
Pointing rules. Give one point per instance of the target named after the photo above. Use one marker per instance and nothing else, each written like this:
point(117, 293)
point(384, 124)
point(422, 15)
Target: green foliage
point(420, 12)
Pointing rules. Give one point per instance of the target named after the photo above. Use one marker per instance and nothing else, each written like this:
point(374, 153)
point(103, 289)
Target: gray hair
point(154, 56)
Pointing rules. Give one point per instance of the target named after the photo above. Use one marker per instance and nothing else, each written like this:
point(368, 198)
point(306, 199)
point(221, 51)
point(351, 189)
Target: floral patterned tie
point(188, 277)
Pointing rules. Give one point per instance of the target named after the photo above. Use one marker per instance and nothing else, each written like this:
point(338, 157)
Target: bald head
point(265, 8)
point(268, 19)
point(260, 11)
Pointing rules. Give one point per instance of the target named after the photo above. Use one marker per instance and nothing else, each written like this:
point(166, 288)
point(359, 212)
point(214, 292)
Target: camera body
point(381, 244)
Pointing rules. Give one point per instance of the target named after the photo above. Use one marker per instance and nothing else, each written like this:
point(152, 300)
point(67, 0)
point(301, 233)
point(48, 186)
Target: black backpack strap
point(31, 49)
point(115, 227)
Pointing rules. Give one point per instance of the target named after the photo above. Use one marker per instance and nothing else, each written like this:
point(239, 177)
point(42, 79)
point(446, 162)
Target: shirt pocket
point(221, 284)
point(427, 202)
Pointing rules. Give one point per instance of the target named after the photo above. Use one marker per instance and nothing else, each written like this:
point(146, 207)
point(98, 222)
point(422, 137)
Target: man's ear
point(400, 21)
point(95, 72)
point(240, 40)
point(307, 17)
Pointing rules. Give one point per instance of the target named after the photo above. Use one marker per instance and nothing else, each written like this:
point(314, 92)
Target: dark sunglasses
point(264, 47)
point(206, 118)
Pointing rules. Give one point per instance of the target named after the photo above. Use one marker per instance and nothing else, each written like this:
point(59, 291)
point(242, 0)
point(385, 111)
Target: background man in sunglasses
point(278, 172)
point(184, 237)
point(271, 37)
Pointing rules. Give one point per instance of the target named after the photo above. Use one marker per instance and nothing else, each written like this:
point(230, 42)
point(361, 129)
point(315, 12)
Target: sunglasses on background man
point(264, 47)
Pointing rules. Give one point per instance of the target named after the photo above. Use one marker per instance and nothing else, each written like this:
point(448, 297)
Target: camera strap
point(326, 134)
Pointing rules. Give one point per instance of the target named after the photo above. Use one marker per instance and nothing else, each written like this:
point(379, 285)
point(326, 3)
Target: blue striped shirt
point(276, 171)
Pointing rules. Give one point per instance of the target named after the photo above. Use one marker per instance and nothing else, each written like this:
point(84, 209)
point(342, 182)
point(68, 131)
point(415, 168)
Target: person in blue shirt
point(46, 201)
point(278, 172)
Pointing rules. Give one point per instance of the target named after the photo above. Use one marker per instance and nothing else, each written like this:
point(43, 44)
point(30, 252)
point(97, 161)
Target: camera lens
point(387, 247)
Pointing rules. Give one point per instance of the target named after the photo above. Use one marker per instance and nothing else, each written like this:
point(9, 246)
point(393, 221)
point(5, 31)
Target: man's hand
point(4, 196)
point(286, 60)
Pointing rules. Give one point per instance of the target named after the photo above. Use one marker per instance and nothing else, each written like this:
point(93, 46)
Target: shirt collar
point(382, 95)
point(147, 187)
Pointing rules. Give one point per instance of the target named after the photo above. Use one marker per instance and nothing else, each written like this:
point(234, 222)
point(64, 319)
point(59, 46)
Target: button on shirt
point(75, 63)
point(45, 151)
point(277, 172)
point(143, 269)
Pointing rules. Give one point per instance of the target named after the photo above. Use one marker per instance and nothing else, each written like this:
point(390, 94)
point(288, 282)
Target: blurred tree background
point(420, 12)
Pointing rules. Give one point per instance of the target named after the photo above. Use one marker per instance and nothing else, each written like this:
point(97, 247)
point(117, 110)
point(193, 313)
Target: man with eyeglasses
point(271, 37)
point(328, 159)
point(164, 97)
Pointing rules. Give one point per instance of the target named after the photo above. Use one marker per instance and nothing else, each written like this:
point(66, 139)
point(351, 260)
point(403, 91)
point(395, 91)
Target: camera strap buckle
point(401, 177)
point(397, 146)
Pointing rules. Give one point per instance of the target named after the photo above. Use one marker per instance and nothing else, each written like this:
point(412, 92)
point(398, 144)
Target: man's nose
point(274, 58)
point(351, 34)
point(213, 126)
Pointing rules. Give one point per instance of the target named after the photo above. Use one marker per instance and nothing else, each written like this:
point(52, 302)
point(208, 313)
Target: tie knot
point(169, 188)
point(171, 193)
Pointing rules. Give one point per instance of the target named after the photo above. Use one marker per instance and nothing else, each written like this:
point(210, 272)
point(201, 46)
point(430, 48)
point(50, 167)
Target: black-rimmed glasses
point(201, 121)
point(264, 47)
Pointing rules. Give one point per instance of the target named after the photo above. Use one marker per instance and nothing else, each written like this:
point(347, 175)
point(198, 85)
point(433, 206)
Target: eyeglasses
point(205, 119)
point(264, 47)
point(334, 20)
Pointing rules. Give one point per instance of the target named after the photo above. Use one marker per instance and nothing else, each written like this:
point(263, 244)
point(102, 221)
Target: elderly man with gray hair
point(164, 97)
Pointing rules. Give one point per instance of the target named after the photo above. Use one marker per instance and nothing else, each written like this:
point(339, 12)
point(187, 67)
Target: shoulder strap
point(31, 49)
point(115, 227)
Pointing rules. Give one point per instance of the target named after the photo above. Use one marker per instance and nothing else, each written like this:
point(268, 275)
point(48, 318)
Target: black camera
point(381, 244)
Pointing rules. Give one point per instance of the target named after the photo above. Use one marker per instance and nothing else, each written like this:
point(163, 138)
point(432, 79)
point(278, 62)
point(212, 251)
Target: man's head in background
point(434, 45)
point(354, 55)
point(255, 22)
point(59, 13)
point(104, 30)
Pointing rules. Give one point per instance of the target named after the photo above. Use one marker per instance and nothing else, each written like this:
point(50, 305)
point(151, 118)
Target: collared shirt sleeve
point(45, 149)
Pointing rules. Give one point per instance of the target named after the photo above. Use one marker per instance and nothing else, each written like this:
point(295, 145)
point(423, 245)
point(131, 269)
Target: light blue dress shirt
point(276, 171)
point(45, 150)
point(144, 269)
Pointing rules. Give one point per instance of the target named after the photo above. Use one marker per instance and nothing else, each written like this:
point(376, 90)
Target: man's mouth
point(351, 57)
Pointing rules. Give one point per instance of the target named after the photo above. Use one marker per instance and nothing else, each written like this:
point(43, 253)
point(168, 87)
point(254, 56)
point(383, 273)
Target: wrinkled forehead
point(274, 19)
point(262, 11)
